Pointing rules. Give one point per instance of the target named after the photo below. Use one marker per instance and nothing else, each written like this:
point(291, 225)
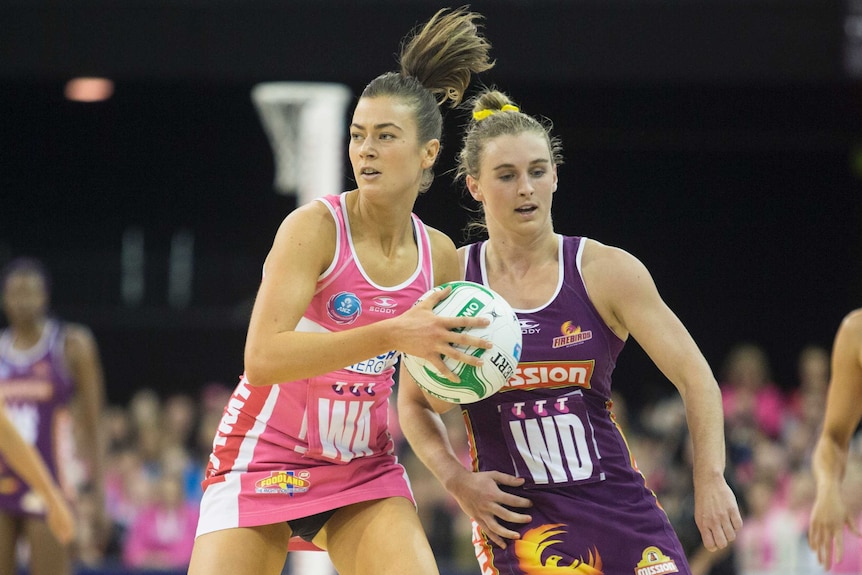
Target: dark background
point(718, 141)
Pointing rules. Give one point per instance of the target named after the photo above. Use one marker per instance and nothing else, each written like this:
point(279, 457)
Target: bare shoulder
point(852, 322)
point(80, 343)
point(444, 256)
point(608, 265)
point(850, 330)
point(78, 334)
point(439, 240)
point(311, 217)
point(619, 286)
point(306, 237)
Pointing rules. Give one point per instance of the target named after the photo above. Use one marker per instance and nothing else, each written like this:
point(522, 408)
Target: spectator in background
point(749, 396)
point(179, 429)
point(754, 406)
point(163, 533)
point(180, 415)
point(133, 450)
point(807, 402)
point(812, 371)
point(52, 384)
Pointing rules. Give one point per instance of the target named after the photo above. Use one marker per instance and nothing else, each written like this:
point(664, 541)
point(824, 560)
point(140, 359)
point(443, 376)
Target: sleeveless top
point(36, 388)
point(298, 438)
point(553, 412)
point(552, 425)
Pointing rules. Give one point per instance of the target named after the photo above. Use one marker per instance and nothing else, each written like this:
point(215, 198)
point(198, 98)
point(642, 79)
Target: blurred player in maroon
point(52, 385)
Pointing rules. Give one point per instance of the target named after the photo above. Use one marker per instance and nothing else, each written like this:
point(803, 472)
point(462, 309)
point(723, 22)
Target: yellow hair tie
point(482, 114)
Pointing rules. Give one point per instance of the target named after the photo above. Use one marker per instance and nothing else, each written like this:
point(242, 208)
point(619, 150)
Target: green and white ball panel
point(469, 299)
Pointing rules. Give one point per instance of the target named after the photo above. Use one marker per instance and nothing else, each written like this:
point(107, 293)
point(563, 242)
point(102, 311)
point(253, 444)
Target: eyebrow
point(533, 163)
point(382, 126)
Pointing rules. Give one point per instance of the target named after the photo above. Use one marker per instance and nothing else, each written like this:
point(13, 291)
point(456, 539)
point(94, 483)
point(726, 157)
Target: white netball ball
point(469, 299)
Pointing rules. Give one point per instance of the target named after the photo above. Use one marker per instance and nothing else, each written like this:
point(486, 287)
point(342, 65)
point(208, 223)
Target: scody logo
point(529, 326)
point(383, 304)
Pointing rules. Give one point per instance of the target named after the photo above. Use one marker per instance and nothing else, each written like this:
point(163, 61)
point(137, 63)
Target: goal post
point(305, 123)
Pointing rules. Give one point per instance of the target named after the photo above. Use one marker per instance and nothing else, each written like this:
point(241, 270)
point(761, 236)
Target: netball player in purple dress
point(47, 367)
point(553, 487)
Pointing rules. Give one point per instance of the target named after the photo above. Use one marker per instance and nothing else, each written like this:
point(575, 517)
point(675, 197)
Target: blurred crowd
point(155, 460)
point(157, 449)
point(771, 432)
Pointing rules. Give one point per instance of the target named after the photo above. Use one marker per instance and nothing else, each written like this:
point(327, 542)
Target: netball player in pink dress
point(553, 487)
point(303, 449)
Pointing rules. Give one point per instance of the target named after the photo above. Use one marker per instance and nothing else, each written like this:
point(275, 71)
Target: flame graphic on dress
point(530, 547)
point(568, 329)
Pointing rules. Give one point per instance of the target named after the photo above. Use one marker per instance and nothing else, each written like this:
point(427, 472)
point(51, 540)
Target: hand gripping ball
point(473, 300)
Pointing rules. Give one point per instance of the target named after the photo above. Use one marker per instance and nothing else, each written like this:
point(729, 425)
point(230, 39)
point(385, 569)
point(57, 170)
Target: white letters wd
point(553, 445)
point(574, 439)
point(345, 428)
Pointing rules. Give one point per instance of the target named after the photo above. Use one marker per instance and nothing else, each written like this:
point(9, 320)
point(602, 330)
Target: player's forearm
point(426, 433)
point(829, 462)
point(705, 419)
point(27, 463)
point(293, 355)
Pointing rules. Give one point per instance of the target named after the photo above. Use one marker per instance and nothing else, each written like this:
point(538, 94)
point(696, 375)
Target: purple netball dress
point(36, 390)
point(552, 425)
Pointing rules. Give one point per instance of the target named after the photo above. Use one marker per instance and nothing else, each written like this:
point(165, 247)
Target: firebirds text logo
point(572, 335)
point(284, 483)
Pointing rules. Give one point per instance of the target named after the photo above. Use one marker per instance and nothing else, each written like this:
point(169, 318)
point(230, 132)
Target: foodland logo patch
point(284, 483)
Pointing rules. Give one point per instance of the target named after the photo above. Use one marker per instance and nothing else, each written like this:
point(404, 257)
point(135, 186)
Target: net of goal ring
point(305, 123)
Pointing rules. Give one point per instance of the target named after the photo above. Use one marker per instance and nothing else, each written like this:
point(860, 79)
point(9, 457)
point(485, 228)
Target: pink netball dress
point(300, 448)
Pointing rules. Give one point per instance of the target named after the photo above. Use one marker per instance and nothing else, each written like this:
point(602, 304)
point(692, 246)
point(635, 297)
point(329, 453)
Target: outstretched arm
point(843, 413)
point(477, 493)
point(28, 464)
point(626, 296)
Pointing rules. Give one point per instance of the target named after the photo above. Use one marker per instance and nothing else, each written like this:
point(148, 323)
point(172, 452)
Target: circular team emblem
point(344, 307)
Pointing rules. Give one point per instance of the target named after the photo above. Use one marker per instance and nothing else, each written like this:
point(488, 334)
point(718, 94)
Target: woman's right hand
point(480, 497)
point(424, 334)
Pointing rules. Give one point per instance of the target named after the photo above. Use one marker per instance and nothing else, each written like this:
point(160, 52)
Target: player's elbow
point(258, 370)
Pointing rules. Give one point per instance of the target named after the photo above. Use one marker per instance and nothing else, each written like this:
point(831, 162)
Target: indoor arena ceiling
point(564, 40)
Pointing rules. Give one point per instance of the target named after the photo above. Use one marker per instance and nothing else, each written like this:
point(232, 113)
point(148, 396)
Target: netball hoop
point(305, 123)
